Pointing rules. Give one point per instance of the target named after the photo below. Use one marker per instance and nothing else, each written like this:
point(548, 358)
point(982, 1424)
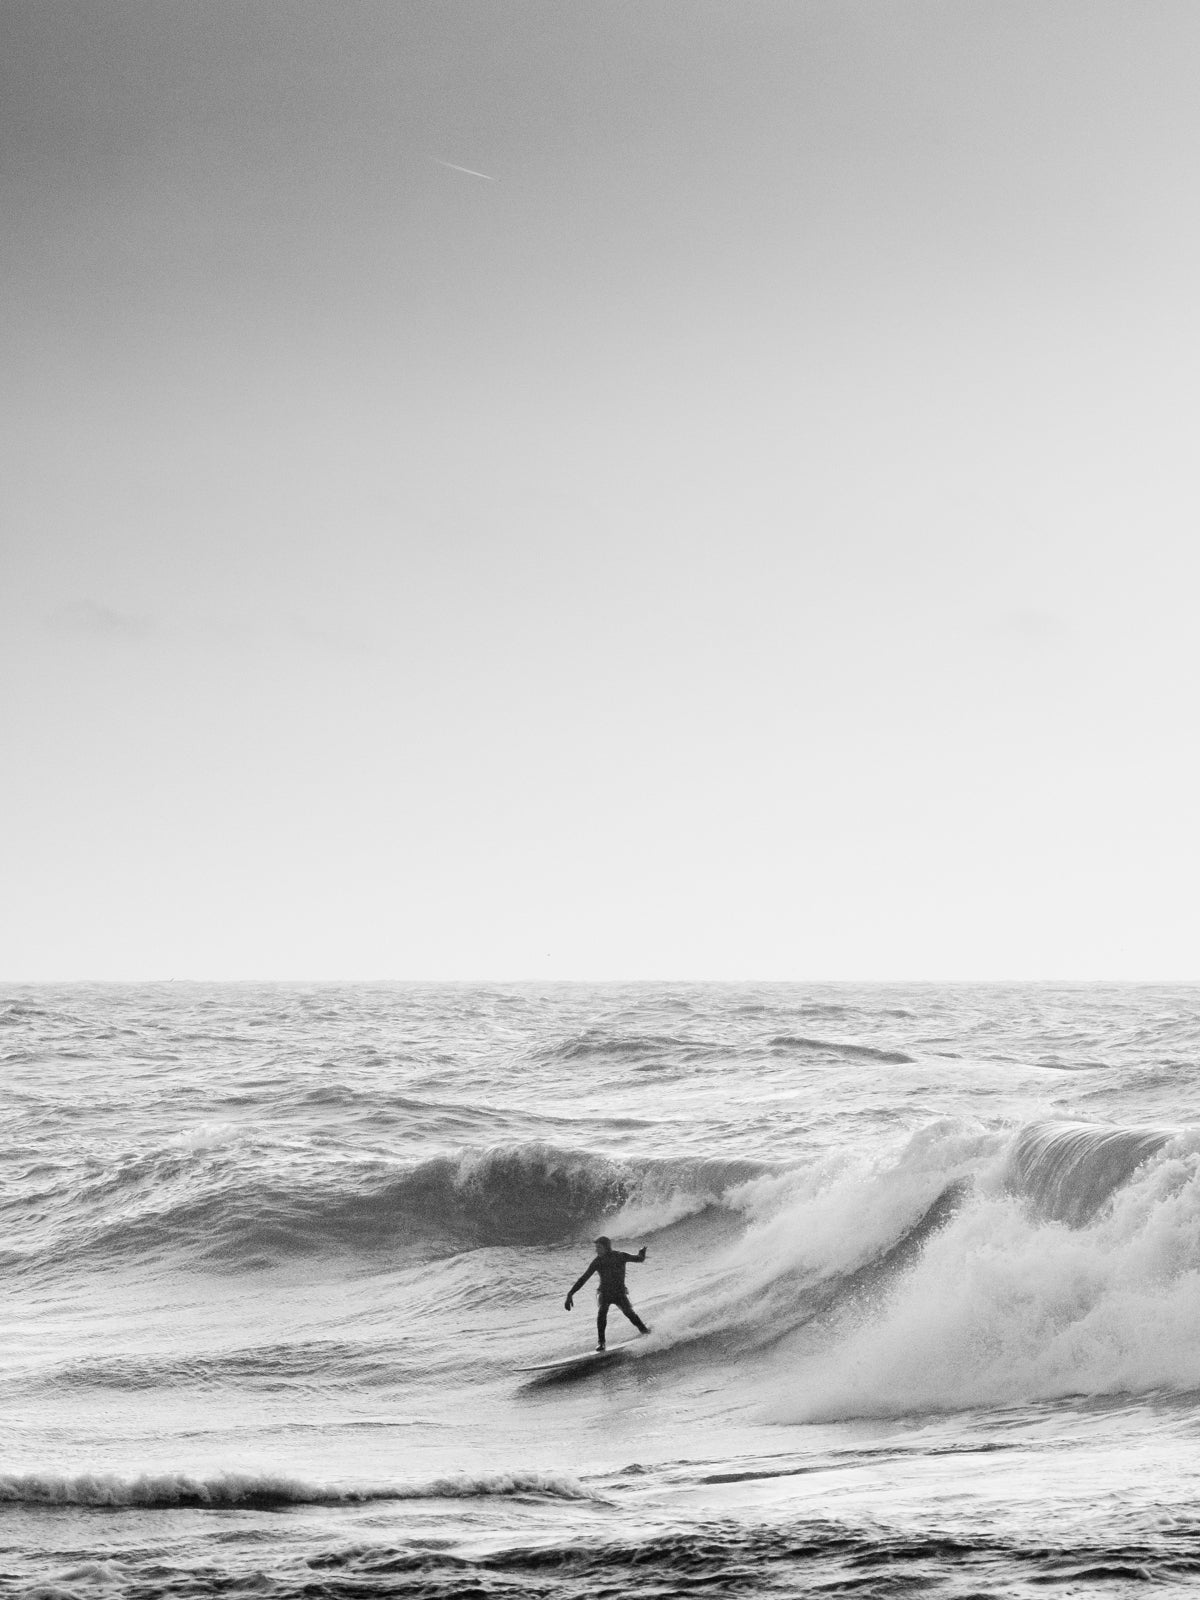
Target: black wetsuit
point(611, 1290)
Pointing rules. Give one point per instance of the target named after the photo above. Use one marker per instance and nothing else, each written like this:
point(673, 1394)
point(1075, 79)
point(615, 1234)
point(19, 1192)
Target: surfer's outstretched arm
point(579, 1283)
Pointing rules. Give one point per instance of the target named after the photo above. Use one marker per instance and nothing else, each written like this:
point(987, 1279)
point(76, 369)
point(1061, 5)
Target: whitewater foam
point(1004, 1306)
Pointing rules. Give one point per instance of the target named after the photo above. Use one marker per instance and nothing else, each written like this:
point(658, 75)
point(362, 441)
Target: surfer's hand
point(570, 1301)
point(642, 1253)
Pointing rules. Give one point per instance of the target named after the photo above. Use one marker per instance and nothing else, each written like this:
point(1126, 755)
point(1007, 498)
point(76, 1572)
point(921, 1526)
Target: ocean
point(923, 1277)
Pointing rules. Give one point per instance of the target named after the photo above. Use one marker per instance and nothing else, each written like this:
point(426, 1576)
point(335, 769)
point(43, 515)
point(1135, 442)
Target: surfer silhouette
point(611, 1291)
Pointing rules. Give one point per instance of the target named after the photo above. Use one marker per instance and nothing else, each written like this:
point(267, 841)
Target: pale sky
point(599, 490)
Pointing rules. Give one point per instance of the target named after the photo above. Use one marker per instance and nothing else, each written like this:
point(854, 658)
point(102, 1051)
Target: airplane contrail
point(470, 171)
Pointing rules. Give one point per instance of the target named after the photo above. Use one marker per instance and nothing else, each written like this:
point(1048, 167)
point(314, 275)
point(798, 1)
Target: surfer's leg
point(623, 1302)
point(601, 1324)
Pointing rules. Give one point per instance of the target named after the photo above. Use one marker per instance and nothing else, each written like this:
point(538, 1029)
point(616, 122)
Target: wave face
point(1069, 1171)
point(532, 1194)
point(225, 1213)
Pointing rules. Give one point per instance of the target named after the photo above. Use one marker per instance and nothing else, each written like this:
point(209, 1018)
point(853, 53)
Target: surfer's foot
point(599, 1349)
point(643, 1331)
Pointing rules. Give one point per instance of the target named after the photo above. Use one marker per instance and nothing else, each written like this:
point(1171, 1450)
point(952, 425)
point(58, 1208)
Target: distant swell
point(839, 1047)
point(602, 1044)
point(263, 1491)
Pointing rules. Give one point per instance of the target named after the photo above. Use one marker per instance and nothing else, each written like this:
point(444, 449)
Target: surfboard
point(584, 1363)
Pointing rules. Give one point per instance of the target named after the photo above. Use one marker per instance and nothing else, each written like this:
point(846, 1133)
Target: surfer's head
point(603, 1245)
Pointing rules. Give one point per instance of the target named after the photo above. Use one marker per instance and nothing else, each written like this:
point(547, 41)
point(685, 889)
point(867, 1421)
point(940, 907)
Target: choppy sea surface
point(923, 1274)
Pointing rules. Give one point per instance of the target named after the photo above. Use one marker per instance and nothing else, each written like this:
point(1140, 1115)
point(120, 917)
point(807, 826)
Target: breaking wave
point(201, 1202)
point(259, 1491)
point(1071, 1269)
point(1069, 1170)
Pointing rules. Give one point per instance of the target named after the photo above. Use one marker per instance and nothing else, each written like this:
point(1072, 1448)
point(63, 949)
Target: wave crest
point(1069, 1170)
point(208, 1207)
point(262, 1491)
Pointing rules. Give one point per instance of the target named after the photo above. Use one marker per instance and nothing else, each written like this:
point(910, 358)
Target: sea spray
point(829, 1230)
point(1004, 1306)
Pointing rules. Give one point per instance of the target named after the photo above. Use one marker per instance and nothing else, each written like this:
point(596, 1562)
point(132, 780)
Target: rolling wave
point(264, 1491)
point(1069, 1170)
point(225, 1211)
point(755, 1312)
point(1058, 1259)
point(1071, 1268)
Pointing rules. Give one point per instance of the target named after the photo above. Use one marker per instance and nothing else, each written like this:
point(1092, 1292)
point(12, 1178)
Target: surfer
point(611, 1291)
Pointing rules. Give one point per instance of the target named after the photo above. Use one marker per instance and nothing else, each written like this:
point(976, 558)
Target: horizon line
point(693, 982)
